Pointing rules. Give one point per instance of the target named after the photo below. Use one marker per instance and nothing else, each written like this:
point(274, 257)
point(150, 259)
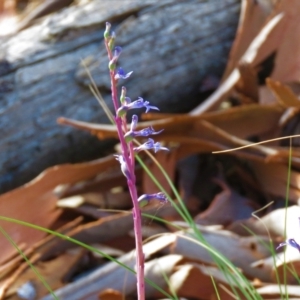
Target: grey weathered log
point(172, 47)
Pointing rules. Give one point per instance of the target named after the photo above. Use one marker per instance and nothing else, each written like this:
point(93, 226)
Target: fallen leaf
point(236, 207)
point(252, 18)
point(52, 272)
point(283, 93)
point(241, 251)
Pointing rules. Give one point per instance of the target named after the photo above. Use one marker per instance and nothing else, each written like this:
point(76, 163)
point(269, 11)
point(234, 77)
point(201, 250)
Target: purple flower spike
point(121, 74)
point(146, 198)
point(150, 145)
point(290, 242)
point(123, 164)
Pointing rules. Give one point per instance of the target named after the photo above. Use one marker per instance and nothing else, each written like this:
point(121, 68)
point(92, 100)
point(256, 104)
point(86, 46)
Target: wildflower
point(146, 198)
point(112, 40)
point(131, 134)
point(117, 52)
point(127, 100)
point(123, 164)
point(123, 94)
point(134, 121)
point(290, 242)
point(27, 291)
point(113, 62)
point(121, 74)
point(140, 103)
point(150, 145)
point(107, 30)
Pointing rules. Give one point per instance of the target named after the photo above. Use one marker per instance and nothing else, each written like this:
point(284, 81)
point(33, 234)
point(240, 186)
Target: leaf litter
point(89, 202)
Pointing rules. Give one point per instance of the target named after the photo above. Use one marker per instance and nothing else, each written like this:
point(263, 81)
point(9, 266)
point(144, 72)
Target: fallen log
point(174, 47)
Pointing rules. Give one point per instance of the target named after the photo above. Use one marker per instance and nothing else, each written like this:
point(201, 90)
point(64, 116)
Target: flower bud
point(123, 95)
point(107, 31)
point(112, 40)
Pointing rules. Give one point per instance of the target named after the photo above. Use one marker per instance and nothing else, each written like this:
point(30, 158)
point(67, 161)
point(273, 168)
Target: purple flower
point(147, 131)
point(121, 74)
point(146, 198)
point(123, 164)
point(290, 242)
point(150, 145)
point(140, 103)
point(130, 135)
point(117, 52)
point(127, 100)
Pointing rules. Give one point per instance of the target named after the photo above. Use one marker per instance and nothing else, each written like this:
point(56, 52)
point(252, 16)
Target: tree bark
point(172, 46)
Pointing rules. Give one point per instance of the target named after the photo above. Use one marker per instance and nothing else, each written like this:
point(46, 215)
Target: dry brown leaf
point(252, 18)
point(287, 52)
point(166, 160)
point(277, 220)
point(247, 85)
point(215, 134)
point(236, 207)
point(35, 254)
point(118, 278)
point(25, 205)
point(108, 228)
point(284, 267)
point(244, 227)
point(8, 17)
point(274, 291)
point(242, 251)
point(252, 119)
point(52, 272)
point(35, 202)
point(88, 204)
point(283, 93)
point(261, 47)
point(246, 120)
point(273, 179)
point(99, 231)
point(102, 183)
point(185, 283)
point(265, 95)
point(110, 294)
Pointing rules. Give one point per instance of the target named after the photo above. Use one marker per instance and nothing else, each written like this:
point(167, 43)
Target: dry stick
point(258, 143)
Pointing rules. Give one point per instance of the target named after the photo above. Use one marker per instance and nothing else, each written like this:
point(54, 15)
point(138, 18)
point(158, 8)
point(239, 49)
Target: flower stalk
point(127, 156)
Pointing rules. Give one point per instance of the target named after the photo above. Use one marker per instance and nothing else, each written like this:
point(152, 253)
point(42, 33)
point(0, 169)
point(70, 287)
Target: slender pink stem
point(128, 155)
